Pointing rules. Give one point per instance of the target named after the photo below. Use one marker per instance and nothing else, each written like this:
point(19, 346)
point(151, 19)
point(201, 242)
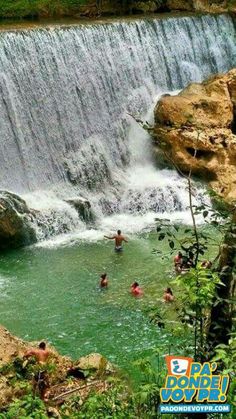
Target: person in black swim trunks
point(119, 239)
point(41, 379)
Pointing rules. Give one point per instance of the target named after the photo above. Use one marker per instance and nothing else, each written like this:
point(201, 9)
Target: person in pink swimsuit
point(136, 291)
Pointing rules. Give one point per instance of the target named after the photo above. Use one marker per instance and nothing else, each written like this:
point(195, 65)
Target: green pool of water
point(53, 294)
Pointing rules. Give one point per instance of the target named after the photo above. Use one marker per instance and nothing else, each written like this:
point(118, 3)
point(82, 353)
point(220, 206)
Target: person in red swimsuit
point(136, 290)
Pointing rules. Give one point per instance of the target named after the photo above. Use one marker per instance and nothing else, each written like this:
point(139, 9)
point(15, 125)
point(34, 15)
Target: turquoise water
point(53, 294)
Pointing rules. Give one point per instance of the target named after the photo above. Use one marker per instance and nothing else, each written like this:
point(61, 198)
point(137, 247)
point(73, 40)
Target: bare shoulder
point(32, 351)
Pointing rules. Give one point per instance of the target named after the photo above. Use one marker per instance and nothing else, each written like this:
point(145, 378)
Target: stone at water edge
point(96, 362)
point(82, 206)
point(202, 117)
point(16, 228)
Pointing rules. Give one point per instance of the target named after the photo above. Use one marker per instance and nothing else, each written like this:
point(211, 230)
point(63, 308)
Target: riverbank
point(65, 379)
point(92, 9)
point(9, 25)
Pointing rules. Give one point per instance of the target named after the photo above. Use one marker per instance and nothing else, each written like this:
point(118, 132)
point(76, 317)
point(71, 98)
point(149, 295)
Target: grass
point(37, 8)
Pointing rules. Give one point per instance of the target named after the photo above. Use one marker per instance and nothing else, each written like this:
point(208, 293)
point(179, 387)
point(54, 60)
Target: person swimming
point(104, 281)
point(119, 239)
point(136, 290)
point(168, 295)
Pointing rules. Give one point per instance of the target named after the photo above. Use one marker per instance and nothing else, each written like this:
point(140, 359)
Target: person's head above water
point(135, 284)
point(169, 291)
point(42, 345)
point(103, 276)
point(119, 232)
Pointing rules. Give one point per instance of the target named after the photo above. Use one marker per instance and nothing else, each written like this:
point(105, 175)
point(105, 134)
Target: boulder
point(16, 228)
point(209, 6)
point(187, 5)
point(82, 206)
point(215, 6)
point(198, 126)
point(94, 362)
point(145, 6)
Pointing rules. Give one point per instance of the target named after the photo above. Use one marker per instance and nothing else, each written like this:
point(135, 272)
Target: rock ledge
point(199, 128)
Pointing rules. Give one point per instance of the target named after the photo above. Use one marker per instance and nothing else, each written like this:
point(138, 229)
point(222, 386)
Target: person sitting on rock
point(206, 264)
point(103, 281)
point(168, 295)
point(178, 259)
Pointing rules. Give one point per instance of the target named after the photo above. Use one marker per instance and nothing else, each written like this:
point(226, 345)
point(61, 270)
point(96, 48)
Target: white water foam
point(65, 101)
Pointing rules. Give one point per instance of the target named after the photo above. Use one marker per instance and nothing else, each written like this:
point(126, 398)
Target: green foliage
point(226, 356)
point(27, 407)
point(31, 8)
point(118, 401)
point(217, 218)
point(198, 288)
point(20, 369)
point(198, 293)
point(147, 396)
point(54, 8)
point(114, 403)
point(71, 407)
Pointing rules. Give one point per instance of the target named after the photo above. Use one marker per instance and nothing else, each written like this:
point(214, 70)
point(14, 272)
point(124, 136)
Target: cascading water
point(65, 99)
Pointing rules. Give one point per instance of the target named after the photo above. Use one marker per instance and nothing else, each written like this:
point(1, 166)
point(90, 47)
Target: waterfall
point(66, 96)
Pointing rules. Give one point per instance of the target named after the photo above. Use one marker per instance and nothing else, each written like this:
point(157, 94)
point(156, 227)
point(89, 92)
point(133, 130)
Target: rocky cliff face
point(110, 7)
point(91, 8)
point(67, 378)
point(15, 221)
point(215, 6)
point(21, 225)
point(199, 127)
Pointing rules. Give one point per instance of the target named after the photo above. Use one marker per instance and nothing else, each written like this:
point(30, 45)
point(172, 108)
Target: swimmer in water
point(119, 239)
point(168, 295)
point(136, 290)
point(103, 281)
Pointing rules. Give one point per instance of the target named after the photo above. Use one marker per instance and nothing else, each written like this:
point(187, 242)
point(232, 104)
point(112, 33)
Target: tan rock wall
point(215, 6)
point(199, 127)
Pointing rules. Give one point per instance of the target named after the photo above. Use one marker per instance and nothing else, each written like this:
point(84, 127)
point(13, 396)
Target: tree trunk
point(223, 308)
